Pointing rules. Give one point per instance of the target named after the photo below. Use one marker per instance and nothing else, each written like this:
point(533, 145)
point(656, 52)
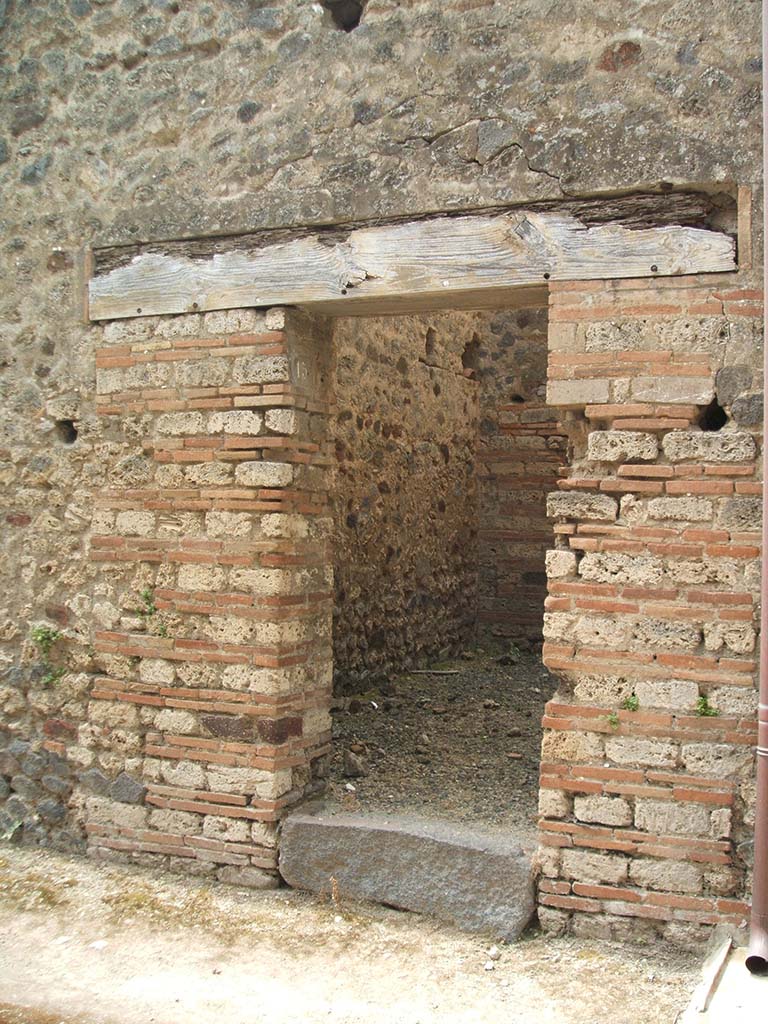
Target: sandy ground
point(107, 944)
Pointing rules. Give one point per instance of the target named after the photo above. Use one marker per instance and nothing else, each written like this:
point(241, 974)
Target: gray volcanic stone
point(56, 785)
point(731, 381)
point(748, 410)
point(742, 512)
point(476, 881)
point(51, 811)
point(16, 808)
point(94, 780)
point(127, 790)
point(34, 765)
point(25, 787)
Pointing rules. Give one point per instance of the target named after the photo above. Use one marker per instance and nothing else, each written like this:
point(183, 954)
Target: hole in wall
point(470, 357)
point(429, 342)
point(713, 417)
point(346, 14)
point(66, 431)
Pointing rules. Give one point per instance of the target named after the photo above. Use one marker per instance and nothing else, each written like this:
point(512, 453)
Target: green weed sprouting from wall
point(149, 613)
point(704, 709)
point(44, 638)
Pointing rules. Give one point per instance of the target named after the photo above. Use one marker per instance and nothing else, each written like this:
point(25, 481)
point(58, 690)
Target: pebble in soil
point(463, 746)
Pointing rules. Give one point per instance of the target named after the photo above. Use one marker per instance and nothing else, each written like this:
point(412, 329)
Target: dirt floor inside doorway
point(459, 741)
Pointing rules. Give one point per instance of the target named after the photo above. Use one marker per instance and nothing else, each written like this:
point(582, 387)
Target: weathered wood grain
point(429, 260)
point(634, 210)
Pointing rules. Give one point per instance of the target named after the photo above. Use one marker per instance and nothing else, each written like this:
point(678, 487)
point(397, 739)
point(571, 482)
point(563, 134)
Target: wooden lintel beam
point(423, 261)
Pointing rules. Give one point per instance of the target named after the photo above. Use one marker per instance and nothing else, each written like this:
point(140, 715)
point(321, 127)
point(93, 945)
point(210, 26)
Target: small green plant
point(44, 637)
point(613, 720)
point(704, 709)
point(149, 613)
point(53, 675)
point(631, 703)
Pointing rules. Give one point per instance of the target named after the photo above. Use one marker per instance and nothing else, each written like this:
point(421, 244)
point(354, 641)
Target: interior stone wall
point(521, 449)
point(445, 450)
point(405, 493)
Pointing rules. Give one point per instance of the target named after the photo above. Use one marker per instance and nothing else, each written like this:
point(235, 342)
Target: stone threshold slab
point(477, 881)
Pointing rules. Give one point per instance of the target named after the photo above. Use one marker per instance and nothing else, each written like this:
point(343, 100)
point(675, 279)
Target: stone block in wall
point(605, 691)
point(231, 321)
point(688, 510)
point(731, 381)
point(709, 446)
point(559, 562)
point(264, 474)
point(246, 422)
point(282, 421)
point(571, 505)
point(622, 446)
point(564, 393)
point(594, 868)
point(664, 635)
point(666, 875)
point(572, 747)
point(673, 390)
point(738, 637)
point(176, 424)
point(284, 526)
point(248, 877)
point(261, 370)
point(558, 625)
point(747, 410)
point(228, 524)
point(734, 700)
point(742, 513)
point(554, 803)
point(689, 334)
point(602, 631)
point(717, 759)
point(676, 694)
point(616, 567)
point(663, 817)
point(687, 571)
point(602, 810)
point(634, 750)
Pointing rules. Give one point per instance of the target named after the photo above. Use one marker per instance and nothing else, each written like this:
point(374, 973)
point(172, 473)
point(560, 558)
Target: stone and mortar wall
point(521, 448)
point(127, 120)
point(207, 710)
point(647, 798)
point(405, 492)
point(445, 450)
point(214, 611)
